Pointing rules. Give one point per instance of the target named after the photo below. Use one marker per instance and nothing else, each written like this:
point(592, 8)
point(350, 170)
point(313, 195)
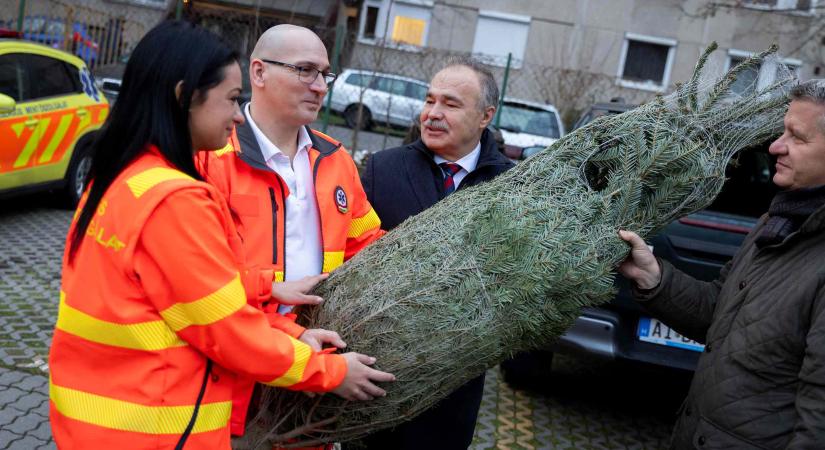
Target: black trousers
point(449, 425)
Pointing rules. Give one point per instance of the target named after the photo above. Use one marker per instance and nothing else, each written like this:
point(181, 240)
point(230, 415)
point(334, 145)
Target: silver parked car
point(383, 98)
point(529, 124)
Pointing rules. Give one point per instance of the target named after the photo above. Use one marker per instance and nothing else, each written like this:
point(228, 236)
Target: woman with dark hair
point(152, 291)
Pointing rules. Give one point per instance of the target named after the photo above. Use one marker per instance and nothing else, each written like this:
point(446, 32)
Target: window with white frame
point(757, 77)
point(370, 20)
point(782, 5)
point(403, 22)
point(746, 81)
point(646, 62)
point(499, 34)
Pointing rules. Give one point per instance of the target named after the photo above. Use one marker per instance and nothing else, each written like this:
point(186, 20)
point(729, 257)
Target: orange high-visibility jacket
point(256, 195)
point(153, 291)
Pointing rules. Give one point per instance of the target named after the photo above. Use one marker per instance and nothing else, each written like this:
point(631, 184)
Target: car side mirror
point(7, 104)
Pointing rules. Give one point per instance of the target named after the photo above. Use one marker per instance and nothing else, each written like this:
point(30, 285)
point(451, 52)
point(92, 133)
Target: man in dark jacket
point(760, 383)
point(455, 151)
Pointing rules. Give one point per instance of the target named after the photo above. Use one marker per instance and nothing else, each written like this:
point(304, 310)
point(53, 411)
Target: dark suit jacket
point(401, 182)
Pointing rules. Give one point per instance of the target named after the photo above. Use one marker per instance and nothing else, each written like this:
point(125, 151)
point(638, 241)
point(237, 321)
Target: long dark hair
point(147, 110)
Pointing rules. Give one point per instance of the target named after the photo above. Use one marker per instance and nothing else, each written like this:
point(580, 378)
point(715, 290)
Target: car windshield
point(55, 28)
point(33, 24)
point(528, 119)
point(748, 188)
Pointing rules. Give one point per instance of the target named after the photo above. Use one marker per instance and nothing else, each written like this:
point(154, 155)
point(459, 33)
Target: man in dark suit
point(455, 151)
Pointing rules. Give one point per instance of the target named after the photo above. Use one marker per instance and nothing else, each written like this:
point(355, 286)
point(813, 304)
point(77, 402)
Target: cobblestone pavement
point(582, 405)
point(32, 232)
point(24, 411)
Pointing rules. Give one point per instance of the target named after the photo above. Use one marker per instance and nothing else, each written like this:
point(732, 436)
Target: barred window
point(646, 62)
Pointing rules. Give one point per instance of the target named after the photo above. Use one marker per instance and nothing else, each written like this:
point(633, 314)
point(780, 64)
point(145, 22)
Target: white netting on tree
point(508, 265)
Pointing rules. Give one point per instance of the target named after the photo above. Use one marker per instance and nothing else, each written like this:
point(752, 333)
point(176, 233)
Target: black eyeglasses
point(305, 74)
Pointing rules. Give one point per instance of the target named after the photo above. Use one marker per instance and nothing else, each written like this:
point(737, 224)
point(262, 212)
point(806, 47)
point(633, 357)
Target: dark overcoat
point(402, 182)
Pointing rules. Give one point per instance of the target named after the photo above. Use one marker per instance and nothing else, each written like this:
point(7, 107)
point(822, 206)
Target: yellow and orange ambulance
point(50, 109)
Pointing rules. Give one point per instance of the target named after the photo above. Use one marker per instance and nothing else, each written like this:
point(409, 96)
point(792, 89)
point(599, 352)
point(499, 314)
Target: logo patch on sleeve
point(341, 200)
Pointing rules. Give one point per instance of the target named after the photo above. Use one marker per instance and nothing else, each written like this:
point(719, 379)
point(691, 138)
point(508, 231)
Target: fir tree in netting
point(507, 266)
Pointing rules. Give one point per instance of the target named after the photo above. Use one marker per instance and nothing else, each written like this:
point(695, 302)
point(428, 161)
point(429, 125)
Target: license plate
point(656, 332)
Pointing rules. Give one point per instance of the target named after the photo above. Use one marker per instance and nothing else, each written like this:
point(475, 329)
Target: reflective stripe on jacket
point(155, 290)
point(257, 196)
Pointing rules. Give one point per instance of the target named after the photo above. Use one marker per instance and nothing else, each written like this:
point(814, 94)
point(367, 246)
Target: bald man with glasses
point(295, 195)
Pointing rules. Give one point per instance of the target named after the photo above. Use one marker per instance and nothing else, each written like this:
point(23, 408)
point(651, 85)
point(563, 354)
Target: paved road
point(366, 140)
point(369, 141)
point(582, 405)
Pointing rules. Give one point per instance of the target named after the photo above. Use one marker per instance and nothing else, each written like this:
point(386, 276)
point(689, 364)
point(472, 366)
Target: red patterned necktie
point(449, 169)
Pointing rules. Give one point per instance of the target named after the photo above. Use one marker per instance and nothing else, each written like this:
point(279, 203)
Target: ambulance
point(50, 110)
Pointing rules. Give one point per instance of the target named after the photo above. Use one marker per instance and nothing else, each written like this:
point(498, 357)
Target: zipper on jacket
point(318, 205)
point(275, 238)
point(283, 243)
point(274, 225)
point(191, 425)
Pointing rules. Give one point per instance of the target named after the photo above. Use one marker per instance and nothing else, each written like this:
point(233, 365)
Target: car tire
point(78, 170)
point(352, 119)
point(528, 369)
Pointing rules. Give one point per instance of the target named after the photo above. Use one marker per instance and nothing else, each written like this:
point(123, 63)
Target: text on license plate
point(656, 332)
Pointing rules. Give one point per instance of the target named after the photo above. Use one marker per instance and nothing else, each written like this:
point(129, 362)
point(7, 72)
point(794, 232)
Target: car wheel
point(78, 171)
point(353, 121)
point(527, 369)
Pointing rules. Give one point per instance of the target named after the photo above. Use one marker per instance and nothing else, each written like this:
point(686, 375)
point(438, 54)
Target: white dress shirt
point(467, 163)
point(303, 254)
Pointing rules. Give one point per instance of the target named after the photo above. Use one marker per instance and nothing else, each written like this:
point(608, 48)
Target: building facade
point(630, 48)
